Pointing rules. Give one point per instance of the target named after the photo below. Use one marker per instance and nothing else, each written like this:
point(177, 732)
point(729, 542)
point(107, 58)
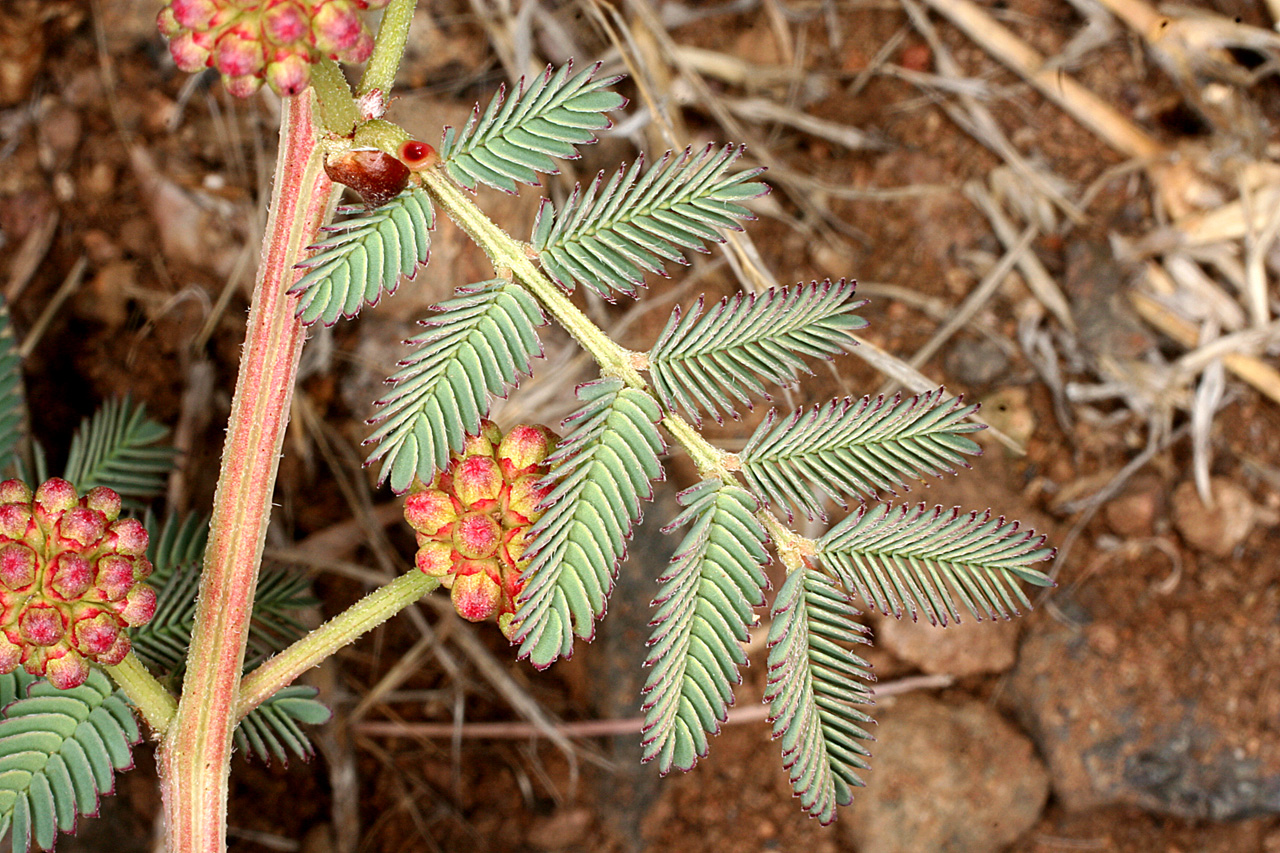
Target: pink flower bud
point(95, 634)
point(523, 499)
point(360, 51)
point(289, 75)
point(55, 496)
point(477, 536)
point(17, 567)
point(188, 54)
point(429, 511)
point(82, 526)
point(478, 482)
point(14, 491)
point(523, 448)
point(42, 624)
point(140, 606)
point(284, 24)
point(434, 559)
point(67, 671)
point(476, 595)
point(70, 576)
point(115, 577)
point(128, 536)
point(167, 24)
point(238, 54)
point(10, 655)
point(105, 501)
point(241, 87)
point(335, 27)
point(16, 521)
point(194, 14)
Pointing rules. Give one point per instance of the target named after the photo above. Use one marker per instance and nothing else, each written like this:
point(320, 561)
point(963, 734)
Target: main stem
point(194, 759)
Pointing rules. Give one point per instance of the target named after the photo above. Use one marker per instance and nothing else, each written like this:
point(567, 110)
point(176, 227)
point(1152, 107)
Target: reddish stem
point(196, 751)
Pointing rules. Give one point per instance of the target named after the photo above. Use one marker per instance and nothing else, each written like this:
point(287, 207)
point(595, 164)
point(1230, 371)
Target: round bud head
point(66, 671)
point(523, 448)
point(417, 155)
point(42, 624)
point(435, 559)
point(376, 175)
point(477, 536)
point(105, 501)
point(139, 606)
point(17, 567)
point(429, 511)
point(15, 491)
point(70, 576)
point(82, 526)
point(55, 496)
point(475, 596)
point(477, 482)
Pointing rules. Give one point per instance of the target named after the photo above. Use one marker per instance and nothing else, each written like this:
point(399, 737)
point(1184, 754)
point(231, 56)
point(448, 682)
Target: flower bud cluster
point(473, 520)
point(278, 41)
point(71, 580)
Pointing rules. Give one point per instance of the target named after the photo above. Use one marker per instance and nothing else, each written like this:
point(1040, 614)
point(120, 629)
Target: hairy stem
point(393, 34)
point(195, 755)
point(335, 107)
point(154, 702)
point(360, 618)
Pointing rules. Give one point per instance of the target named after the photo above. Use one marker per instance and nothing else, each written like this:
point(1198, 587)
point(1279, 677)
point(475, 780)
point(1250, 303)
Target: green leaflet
point(13, 406)
point(703, 611)
point(703, 363)
point(610, 236)
point(856, 448)
point(903, 558)
point(364, 258)
point(601, 473)
point(515, 138)
point(813, 683)
point(118, 447)
point(59, 751)
point(477, 347)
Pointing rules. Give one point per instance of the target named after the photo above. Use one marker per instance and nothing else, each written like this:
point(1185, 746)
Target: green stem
point(335, 106)
point(195, 755)
point(156, 704)
point(388, 49)
point(508, 254)
point(358, 619)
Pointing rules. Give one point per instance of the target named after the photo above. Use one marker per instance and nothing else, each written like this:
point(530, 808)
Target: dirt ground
point(132, 198)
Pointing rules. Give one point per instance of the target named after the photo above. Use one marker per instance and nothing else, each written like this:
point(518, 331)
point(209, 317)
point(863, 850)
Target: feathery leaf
point(856, 448)
point(704, 610)
point(601, 472)
point(746, 340)
point(364, 258)
point(477, 347)
point(272, 730)
point(813, 683)
point(59, 752)
point(13, 406)
point(515, 138)
point(610, 237)
point(897, 557)
point(118, 447)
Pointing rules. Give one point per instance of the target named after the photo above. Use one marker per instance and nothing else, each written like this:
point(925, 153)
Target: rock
point(950, 778)
point(1215, 530)
point(1133, 514)
point(1175, 719)
point(976, 363)
point(967, 648)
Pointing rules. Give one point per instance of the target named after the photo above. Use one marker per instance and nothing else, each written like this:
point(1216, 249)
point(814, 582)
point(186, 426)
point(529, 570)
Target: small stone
point(945, 777)
point(1133, 514)
point(1215, 530)
point(565, 828)
point(976, 363)
point(967, 648)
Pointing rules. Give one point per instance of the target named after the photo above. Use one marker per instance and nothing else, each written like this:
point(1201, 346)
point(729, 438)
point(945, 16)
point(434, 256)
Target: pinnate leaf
point(608, 237)
point(601, 472)
point(910, 558)
point(814, 682)
point(856, 448)
point(364, 257)
point(704, 362)
point(477, 347)
point(515, 138)
point(703, 611)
